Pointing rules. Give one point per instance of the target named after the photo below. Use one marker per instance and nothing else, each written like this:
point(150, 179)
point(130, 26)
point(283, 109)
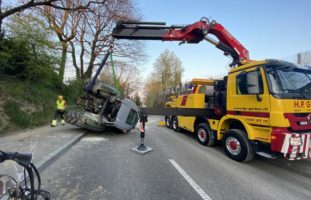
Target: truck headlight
point(295, 141)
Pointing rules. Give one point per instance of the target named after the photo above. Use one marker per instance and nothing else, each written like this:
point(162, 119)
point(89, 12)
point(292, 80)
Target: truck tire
point(175, 126)
point(237, 146)
point(168, 122)
point(205, 135)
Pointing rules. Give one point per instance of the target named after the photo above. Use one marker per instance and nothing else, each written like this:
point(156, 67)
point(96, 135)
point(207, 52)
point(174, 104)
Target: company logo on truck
point(302, 104)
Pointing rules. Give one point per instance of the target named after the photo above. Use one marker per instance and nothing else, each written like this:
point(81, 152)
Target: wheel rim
point(202, 134)
point(174, 124)
point(167, 122)
point(233, 146)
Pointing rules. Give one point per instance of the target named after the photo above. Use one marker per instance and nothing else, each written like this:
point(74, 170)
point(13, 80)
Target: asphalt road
point(102, 166)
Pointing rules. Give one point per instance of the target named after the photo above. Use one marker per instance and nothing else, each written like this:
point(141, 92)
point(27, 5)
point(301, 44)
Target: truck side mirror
point(253, 82)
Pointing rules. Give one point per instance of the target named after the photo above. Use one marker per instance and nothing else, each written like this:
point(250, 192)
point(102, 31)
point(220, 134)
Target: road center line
point(193, 184)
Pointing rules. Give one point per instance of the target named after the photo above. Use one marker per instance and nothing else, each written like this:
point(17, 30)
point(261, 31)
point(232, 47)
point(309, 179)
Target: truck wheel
point(168, 122)
point(175, 124)
point(237, 146)
point(205, 135)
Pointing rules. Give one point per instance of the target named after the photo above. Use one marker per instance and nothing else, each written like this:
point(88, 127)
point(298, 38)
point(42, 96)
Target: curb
point(42, 164)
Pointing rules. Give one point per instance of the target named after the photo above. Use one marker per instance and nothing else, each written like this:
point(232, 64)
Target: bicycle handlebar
point(24, 159)
point(21, 158)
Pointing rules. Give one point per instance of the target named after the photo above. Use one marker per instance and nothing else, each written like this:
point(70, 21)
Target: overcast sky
point(267, 28)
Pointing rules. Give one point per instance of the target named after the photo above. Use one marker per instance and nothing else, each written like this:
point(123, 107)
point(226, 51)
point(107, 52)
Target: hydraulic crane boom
point(193, 33)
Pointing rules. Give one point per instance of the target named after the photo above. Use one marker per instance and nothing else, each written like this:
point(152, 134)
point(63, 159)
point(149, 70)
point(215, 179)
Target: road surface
point(102, 166)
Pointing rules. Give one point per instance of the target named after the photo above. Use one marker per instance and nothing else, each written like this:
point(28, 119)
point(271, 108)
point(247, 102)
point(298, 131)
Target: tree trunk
point(63, 62)
point(74, 61)
point(89, 71)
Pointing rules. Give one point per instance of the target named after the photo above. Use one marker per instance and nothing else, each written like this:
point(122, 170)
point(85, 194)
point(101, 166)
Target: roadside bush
point(19, 117)
point(21, 60)
point(29, 82)
point(42, 118)
point(13, 57)
point(1, 126)
point(72, 91)
point(23, 92)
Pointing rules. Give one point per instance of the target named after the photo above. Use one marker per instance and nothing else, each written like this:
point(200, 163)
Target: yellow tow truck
point(261, 107)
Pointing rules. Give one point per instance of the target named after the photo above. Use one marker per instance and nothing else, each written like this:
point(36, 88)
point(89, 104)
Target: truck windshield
point(289, 81)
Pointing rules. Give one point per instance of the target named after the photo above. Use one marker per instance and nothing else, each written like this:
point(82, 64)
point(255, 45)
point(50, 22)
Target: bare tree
point(137, 99)
point(62, 16)
point(127, 76)
point(168, 69)
point(166, 75)
point(93, 36)
point(151, 91)
point(64, 24)
point(6, 11)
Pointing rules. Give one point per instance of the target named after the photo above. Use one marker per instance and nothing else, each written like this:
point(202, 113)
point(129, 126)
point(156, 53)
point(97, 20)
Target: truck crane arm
point(193, 33)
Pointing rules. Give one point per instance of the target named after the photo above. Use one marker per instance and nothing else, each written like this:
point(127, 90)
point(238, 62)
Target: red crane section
point(193, 33)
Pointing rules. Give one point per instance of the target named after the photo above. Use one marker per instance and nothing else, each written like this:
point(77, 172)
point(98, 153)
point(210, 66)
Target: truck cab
point(262, 107)
point(269, 103)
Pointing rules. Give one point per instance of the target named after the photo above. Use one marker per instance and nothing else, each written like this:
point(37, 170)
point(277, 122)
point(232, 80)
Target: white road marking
point(193, 184)
point(94, 139)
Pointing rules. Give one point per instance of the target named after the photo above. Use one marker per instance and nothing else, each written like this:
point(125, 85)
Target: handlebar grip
point(21, 158)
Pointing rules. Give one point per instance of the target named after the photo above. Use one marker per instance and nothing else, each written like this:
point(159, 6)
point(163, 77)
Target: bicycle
point(12, 189)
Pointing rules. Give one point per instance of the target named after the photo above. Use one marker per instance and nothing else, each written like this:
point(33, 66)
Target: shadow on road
point(302, 167)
